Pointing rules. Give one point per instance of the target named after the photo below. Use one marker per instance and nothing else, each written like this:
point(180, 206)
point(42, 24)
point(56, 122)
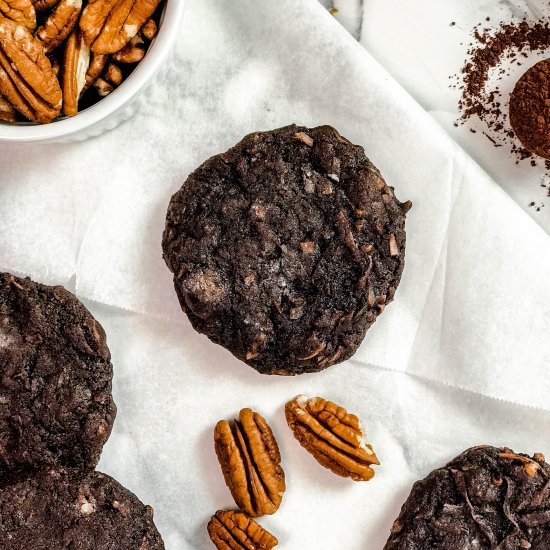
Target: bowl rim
point(140, 77)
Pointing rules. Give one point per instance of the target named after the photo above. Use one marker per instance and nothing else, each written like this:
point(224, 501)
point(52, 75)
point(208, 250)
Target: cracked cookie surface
point(61, 508)
point(485, 499)
point(56, 406)
point(286, 248)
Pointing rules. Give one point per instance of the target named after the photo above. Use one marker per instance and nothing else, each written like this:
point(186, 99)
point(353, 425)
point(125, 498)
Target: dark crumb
point(453, 23)
point(492, 140)
point(532, 203)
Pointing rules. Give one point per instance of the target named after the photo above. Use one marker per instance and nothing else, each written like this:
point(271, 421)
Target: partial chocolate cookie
point(56, 406)
point(60, 508)
point(485, 499)
point(286, 248)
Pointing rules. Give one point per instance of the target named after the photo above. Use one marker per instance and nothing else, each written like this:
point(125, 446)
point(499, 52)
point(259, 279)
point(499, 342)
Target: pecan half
point(235, 530)
point(108, 25)
point(75, 66)
point(7, 111)
point(59, 24)
point(26, 75)
point(250, 461)
point(334, 437)
point(20, 11)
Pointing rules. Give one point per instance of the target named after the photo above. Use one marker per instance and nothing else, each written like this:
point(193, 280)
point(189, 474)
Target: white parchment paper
point(460, 358)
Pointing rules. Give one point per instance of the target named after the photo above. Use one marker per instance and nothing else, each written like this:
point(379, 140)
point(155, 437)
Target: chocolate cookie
point(286, 248)
point(485, 499)
point(56, 406)
point(60, 508)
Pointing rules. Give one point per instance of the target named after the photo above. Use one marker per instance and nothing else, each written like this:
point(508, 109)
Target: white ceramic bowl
point(117, 107)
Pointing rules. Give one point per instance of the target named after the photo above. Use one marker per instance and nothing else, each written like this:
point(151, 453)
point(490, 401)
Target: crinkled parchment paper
point(460, 358)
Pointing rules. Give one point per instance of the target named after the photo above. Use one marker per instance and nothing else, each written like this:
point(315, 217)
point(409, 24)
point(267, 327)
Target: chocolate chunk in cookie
point(56, 406)
point(60, 508)
point(286, 248)
point(484, 499)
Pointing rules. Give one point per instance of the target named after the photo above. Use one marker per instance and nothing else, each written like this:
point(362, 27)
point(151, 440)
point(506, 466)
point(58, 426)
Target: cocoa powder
point(530, 109)
point(488, 51)
point(491, 56)
point(494, 57)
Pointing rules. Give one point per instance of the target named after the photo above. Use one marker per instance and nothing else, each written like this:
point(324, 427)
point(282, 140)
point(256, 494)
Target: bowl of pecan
point(73, 69)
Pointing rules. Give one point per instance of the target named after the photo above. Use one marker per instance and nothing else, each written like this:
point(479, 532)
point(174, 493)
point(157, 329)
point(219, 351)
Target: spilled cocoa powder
point(490, 48)
point(493, 56)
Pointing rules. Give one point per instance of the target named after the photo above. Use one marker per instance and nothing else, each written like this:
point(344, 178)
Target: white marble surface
point(416, 44)
point(460, 358)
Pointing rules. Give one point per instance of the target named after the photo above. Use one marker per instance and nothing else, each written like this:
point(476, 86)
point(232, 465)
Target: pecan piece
point(235, 530)
point(304, 138)
point(20, 11)
point(7, 111)
point(530, 466)
point(113, 75)
point(42, 5)
point(334, 437)
point(59, 24)
point(149, 31)
point(250, 460)
point(97, 64)
point(108, 25)
point(133, 52)
point(111, 79)
point(26, 75)
point(75, 66)
point(103, 88)
point(394, 249)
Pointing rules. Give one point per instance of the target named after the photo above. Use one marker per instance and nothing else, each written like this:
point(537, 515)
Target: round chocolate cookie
point(60, 508)
point(56, 406)
point(485, 499)
point(286, 248)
